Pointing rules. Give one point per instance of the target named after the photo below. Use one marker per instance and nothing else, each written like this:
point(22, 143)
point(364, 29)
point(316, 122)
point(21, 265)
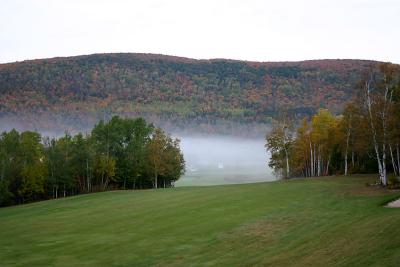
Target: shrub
point(393, 181)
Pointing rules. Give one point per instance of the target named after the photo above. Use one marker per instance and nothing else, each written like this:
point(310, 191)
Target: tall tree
point(33, 171)
point(378, 87)
point(324, 137)
point(279, 142)
point(9, 166)
point(136, 149)
point(164, 157)
point(82, 160)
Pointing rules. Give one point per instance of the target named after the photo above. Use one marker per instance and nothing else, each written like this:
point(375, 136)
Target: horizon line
point(190, 58)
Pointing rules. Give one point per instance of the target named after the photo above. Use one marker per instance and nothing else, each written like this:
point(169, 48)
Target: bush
point(5, 195)
point(393, 181)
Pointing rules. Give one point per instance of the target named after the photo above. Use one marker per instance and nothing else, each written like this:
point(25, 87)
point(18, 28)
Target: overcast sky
point(278, 30)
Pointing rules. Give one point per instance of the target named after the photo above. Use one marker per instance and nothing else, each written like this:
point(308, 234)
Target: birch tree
point(278, 143)
point(347, 130)
point(378, 88)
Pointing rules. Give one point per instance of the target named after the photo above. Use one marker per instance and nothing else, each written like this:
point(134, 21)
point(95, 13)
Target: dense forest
point(175, 93)
point(117, 154)
point(365, 138)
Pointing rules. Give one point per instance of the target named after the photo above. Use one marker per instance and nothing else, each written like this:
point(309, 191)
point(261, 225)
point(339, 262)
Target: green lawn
point(251, 174)
point(332, 221)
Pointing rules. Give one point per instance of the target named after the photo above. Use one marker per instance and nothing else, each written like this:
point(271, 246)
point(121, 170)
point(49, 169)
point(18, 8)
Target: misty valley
point(174, 133)
point(217, 159)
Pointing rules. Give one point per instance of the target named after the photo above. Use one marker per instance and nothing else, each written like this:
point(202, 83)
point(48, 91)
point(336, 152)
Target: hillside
point(335, 221)
point(176, 93)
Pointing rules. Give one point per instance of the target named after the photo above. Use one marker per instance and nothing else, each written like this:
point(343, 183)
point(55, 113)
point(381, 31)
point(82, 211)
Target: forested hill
point(177, 93)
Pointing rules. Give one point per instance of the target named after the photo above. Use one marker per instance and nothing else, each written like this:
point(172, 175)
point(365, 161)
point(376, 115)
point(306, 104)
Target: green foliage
point(279, 143)
point(164, 158)
point(105, 168)
point(33, 181)
point(115, 155)
point(6, 197)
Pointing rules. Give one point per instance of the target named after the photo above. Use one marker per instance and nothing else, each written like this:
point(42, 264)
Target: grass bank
point(335, 221)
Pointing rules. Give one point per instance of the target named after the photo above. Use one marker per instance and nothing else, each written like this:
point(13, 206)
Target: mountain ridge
point(187, 59)
point(179, 93)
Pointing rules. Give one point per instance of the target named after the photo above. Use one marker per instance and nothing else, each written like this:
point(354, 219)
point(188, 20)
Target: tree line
point(121, 153)
point(365, 138)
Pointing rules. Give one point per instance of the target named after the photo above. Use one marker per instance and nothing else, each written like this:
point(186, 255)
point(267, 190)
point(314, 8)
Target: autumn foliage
point(175, 93)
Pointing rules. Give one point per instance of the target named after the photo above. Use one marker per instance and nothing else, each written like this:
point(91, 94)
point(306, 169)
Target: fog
point(212, 160)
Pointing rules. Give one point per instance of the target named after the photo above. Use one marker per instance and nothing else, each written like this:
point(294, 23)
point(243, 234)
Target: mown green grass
point(335, 221)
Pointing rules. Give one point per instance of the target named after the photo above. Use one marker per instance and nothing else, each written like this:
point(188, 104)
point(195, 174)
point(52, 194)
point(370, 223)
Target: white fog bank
point(224, 160)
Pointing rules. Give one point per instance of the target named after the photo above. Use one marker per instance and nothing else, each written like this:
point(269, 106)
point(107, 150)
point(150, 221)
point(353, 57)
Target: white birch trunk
point(398, 158)
point(384, 173)
point(374, 134)
point(327, 166)
point(384, 114)
point(155, 177)
point(345, 163)
point(319, 162)
point(347, 146)
point(393, 161)
point(311, 161)
point(315, 161)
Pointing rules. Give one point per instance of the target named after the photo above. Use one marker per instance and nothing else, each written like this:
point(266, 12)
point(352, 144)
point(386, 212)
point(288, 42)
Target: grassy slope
point(317, 222)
